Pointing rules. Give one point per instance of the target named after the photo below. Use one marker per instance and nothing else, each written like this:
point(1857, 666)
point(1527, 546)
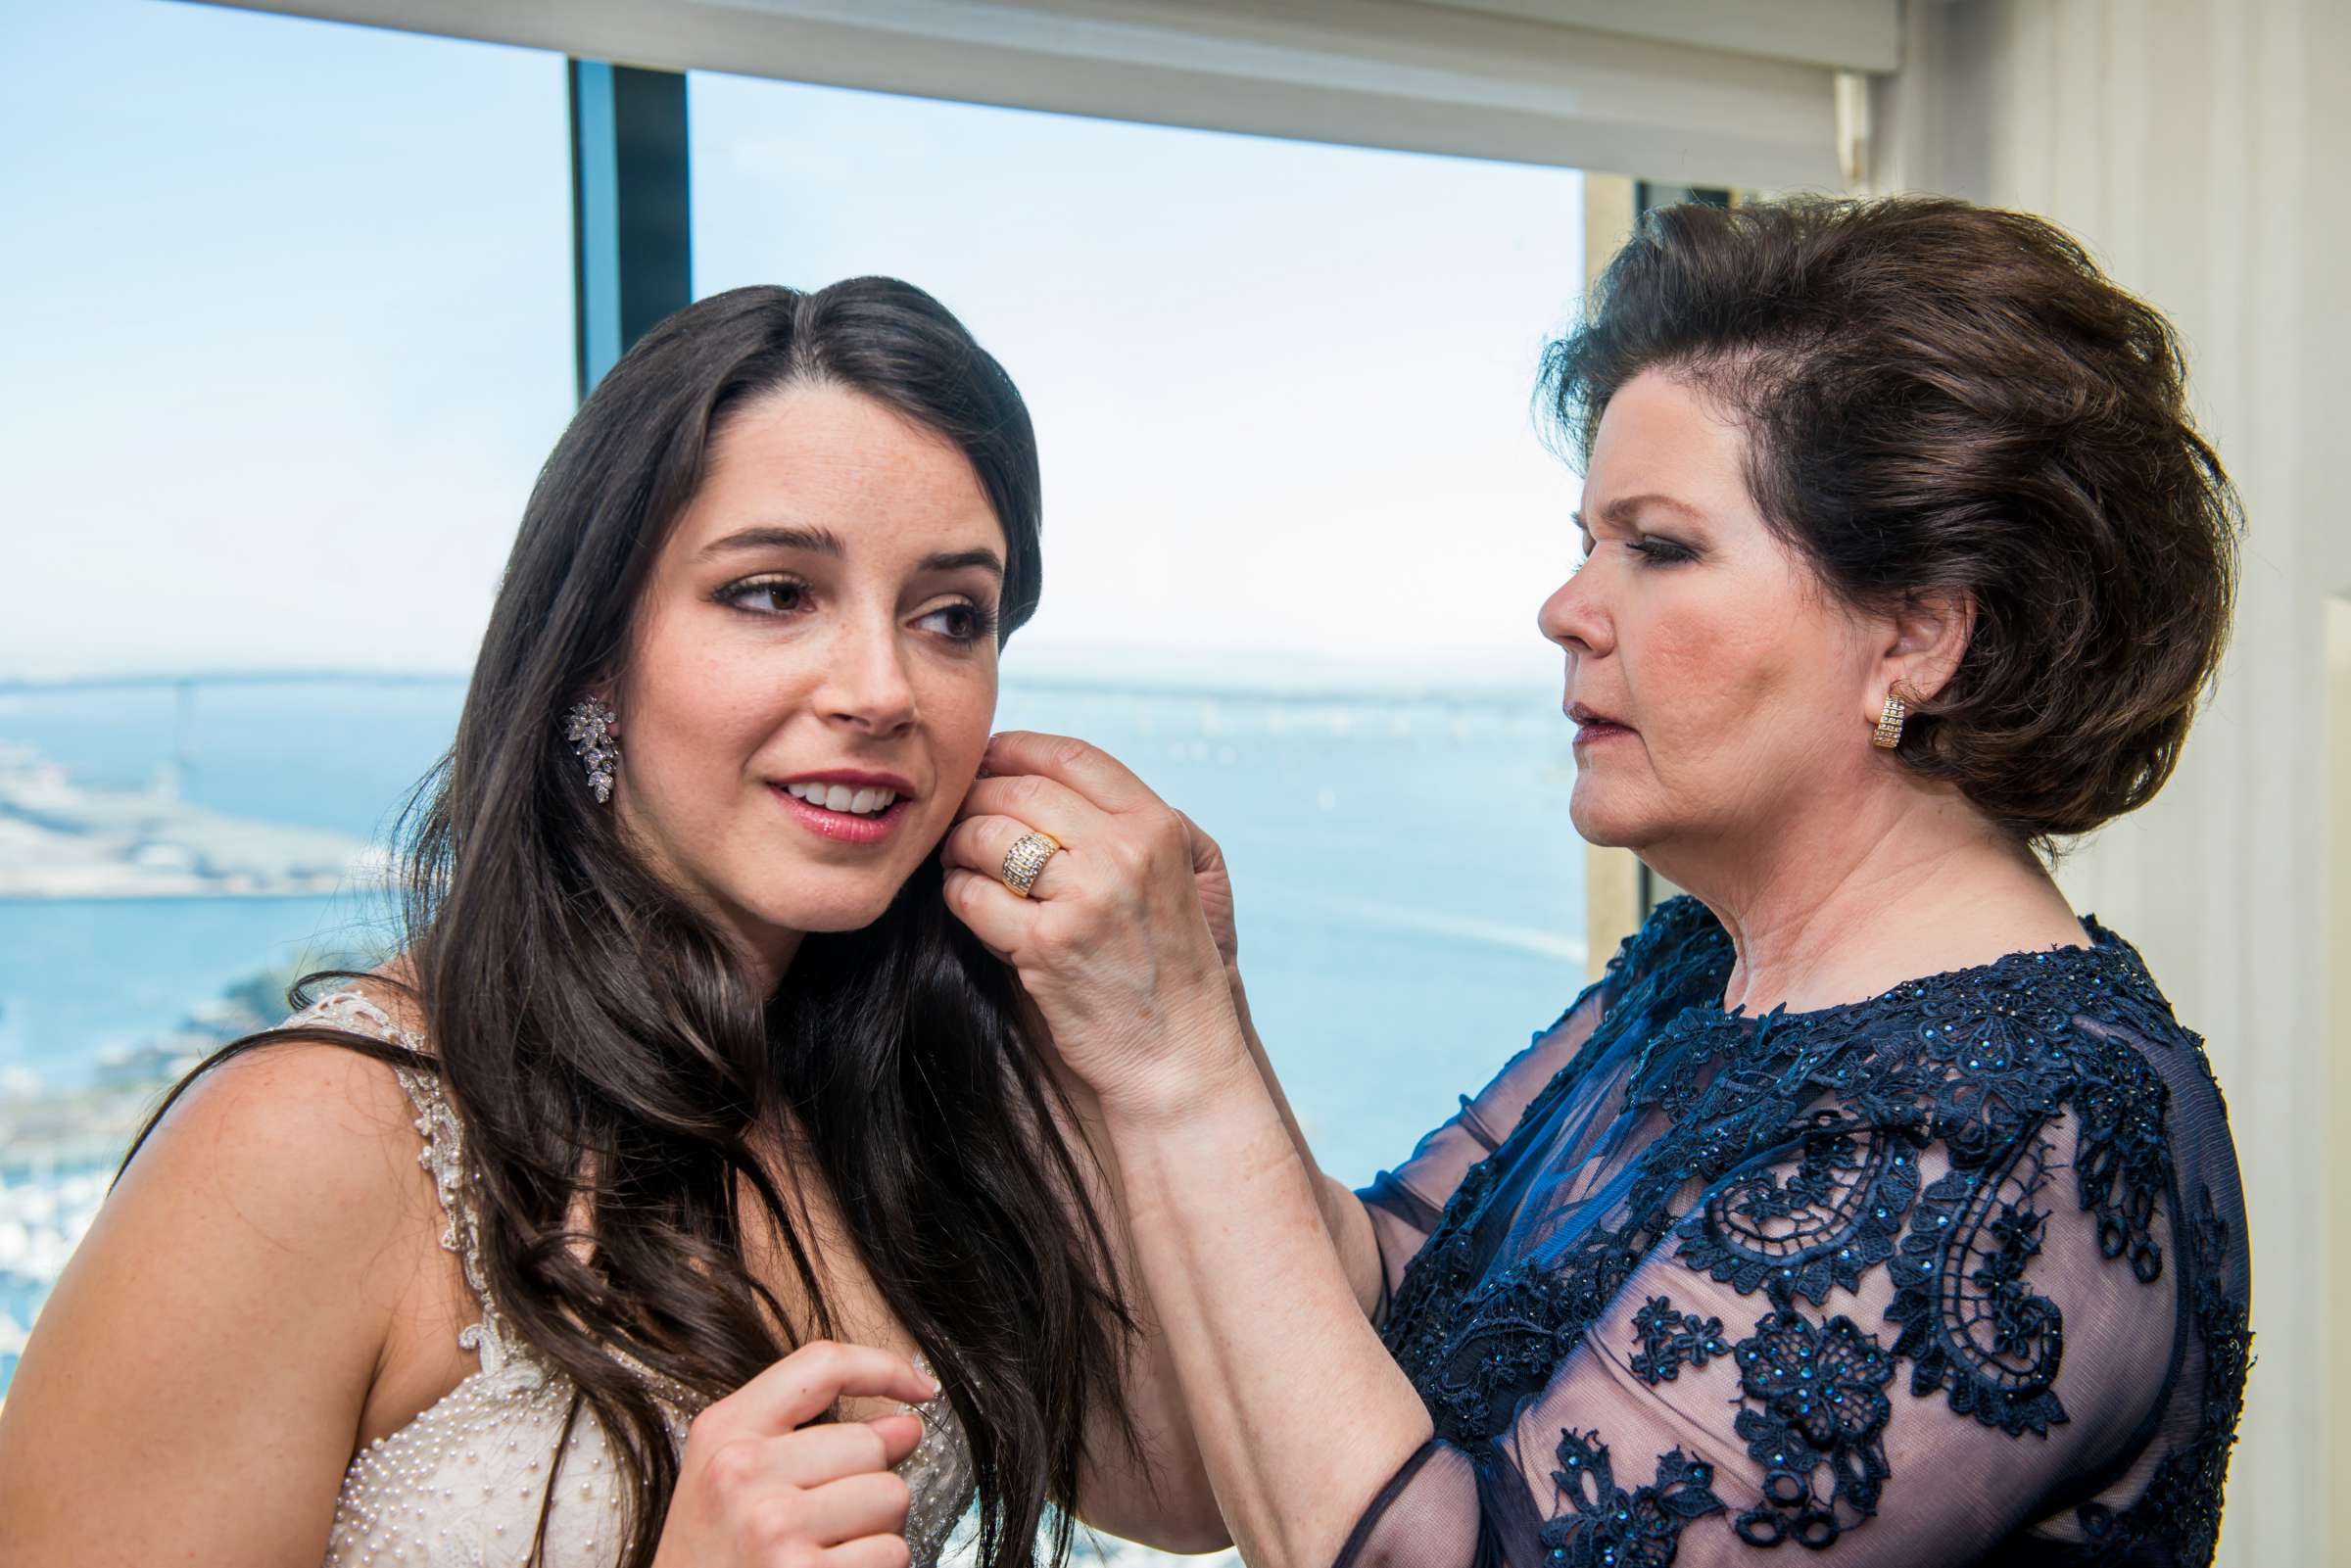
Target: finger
point(899, 1434)
point(982, 843)
point(1000, 917)
point(870, 1504)
point(1206, 854)
point(870, 1552)
point(1088, 770)
point(1046, 803)
point(808, 1382)
point(831, 1449)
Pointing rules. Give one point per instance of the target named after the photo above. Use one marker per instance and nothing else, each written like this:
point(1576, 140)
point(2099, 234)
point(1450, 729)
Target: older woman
point(1873, 1199)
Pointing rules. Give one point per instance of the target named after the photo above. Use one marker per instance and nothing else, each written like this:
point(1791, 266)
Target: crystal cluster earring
point(593, 731)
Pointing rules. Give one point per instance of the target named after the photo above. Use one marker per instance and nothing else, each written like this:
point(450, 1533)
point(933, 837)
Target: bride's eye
point(961, 622)
point(765, 595)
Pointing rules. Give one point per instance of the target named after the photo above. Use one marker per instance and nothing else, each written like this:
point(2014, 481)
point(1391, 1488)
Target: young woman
point(687, 1115)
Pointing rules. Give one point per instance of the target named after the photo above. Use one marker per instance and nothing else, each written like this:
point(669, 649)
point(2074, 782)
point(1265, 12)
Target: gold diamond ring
point(1025, 857)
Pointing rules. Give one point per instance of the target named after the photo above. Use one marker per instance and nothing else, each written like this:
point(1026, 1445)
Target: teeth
point(863, 801)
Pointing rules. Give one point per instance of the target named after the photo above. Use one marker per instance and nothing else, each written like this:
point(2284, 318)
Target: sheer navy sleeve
point(1955, 1275)
point(1404, 1203)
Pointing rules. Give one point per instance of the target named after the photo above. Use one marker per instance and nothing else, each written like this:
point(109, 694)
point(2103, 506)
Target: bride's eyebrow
point(825, 542)
point(956, 560)
point(819, 541)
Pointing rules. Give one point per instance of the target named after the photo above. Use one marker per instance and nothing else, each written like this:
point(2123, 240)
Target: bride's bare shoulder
point(232, 1308)
point(305, 1133)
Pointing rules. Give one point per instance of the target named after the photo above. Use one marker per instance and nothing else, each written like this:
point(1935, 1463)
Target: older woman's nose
point(1573, 619)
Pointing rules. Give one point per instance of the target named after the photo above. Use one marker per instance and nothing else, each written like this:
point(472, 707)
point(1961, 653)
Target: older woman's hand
point(1115, 941)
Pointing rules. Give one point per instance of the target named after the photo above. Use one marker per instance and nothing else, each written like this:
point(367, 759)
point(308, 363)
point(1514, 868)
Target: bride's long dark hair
point(607, 1053)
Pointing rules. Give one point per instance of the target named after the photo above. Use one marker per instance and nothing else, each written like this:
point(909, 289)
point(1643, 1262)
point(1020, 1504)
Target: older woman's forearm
point(1300, 1413)
point(1343, 1217)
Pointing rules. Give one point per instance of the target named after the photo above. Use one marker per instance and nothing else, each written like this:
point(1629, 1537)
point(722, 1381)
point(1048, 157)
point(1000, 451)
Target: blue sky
point(290, 308)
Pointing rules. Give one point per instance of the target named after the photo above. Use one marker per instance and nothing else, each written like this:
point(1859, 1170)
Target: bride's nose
point(865, 684)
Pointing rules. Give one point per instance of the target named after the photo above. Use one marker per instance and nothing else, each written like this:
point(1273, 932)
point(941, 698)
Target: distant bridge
point(1507, 697)
point(18, 686)
point(184, 684)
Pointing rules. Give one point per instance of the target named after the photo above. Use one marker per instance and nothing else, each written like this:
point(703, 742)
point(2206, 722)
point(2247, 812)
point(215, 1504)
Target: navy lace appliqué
point(1972, 1324)
point(1604, 1526)
point(1814, 1420)
point(1671, 1340)
point(1788, 1164)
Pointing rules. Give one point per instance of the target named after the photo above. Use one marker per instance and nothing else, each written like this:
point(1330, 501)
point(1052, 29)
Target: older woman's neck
point(1826, 912)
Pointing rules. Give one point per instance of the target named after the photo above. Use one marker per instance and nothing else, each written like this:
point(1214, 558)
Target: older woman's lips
point(1591, 730)
point(1591, 726)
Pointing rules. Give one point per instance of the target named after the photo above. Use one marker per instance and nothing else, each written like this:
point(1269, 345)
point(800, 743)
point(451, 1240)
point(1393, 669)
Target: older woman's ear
point(1926, 638)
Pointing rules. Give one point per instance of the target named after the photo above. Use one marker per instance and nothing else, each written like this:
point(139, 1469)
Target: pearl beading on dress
point(462, 1484)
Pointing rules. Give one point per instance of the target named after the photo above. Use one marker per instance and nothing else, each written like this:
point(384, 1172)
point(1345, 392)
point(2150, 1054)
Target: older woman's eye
point(765, 595)
point(1656, 551)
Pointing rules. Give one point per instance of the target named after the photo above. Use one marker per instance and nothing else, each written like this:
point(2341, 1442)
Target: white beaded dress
point(462, 1484)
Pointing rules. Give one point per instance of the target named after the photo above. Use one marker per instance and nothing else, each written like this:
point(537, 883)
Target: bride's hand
point(1114, 943)
point(763, 1481)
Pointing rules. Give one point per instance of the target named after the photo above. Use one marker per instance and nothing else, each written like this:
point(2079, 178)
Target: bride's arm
point(194, 1388)
point(269, 1265)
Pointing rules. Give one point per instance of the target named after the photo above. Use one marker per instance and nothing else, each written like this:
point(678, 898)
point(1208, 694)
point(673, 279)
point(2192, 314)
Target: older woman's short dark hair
point(1945, 398)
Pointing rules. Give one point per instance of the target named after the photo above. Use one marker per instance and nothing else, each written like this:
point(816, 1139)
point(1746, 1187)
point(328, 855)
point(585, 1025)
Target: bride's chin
point(846, 912)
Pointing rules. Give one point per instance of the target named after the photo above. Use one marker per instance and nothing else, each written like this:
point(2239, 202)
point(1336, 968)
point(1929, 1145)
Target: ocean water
point(1409, 889)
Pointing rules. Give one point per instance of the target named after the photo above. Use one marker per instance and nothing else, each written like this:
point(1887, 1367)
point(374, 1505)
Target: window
point(1297, 525)
point(290, 332)
point(295, 331)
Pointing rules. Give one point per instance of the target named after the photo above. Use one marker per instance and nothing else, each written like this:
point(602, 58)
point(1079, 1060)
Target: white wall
point(2201, 148)
point(1688, 91)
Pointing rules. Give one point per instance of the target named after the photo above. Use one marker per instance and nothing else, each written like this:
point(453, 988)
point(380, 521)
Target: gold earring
point(1889, 733)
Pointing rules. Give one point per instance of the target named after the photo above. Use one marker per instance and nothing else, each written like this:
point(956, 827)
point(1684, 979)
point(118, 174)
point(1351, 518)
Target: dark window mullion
point(632, 211)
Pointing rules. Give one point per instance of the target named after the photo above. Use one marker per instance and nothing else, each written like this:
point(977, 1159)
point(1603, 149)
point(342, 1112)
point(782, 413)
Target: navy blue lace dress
point(1954, 1275)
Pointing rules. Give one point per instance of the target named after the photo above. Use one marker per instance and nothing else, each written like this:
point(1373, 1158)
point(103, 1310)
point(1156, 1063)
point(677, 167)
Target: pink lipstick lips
point(846, 805)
